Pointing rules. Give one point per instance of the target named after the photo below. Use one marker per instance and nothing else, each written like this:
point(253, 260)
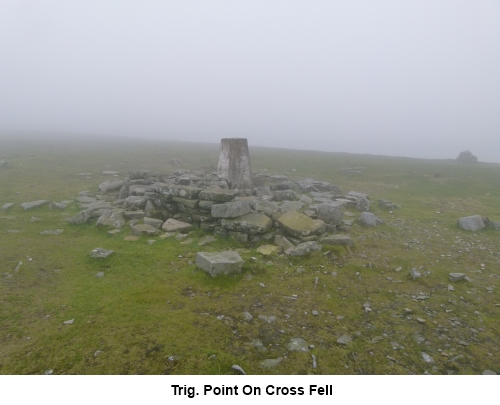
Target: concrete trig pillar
point(234, 163)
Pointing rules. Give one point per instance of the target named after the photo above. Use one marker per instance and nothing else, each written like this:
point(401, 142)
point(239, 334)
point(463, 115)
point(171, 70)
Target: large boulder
point(34, 204)
point(330, 213)
point(466, 157)
point(297, 224)
point(231, 209)
point(217, 263)
point(249, 223)
point(472, 223)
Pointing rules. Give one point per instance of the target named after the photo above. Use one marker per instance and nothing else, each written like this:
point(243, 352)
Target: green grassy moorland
point(154, 312)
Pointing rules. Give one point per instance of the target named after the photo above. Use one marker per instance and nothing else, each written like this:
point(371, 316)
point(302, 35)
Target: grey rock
point(271, 363)
point(247, 316)
point(283, 242)
point(174, 225)
point(343, 240)
point(427, 358)
point(101, 253)
point(228, 262)
point(112, 218)
point(136, 201)
point(86, 200)
point(297, 345)
point(100, 274)
point(466, 157)
point(52, 232)
point(414, 273)
point(344, 340)
point(205, 240)
point(267, 318)
point(232, 209)
point(34, 204)
point(81, 218)
point(249, 224)
point(134, 215)
point(157, 223)
point(471, 223)
point(69, 322)
point(457, 277)
point(303, 249)
point(109, 186)
point(489, 372)
point(238, 369)
point(284, 195)
point(291, 206)
point(6, 206)
point(138, 174)
point(144, 229)
point(297, 224)
point(306, 199)
point(386, 204)
point(369, 219)
point(171, 190)
point(330, 214)
point(218, 194)
point(58, 205)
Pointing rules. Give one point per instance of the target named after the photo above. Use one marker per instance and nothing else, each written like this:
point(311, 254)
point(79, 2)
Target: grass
point(154, 312)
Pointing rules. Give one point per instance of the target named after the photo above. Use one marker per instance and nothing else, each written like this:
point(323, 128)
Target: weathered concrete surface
point(217, 263)
point(234, 163)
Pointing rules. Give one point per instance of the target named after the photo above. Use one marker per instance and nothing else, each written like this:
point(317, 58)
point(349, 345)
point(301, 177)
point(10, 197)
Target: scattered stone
point(100, 253)
point(112, 218)
point(250, 224)
point(369, 219)
point(204, 240)
point(228, 262)
point(51, 232)
point(314, 362)
point(70, 322)
point(457, 277)
point(472, 223)
point(304, 248)
point(421, 320)
point(314, 312)
point(157, 223)
point(283, 242)
point(114, 231)
point(34, 204)
point(340, 239)
point(247, 316)
point(297, 345)
point(6, 206)
point(344, 340)
point(330, 214)
point(414, 273)
point(268, 318)
point(489, 372)
point(271, 363)
point(427, 358)
point(131, 238)
point(238, 369)
point(268, 250)
point(58, 205)
point(100, 274)
point(144, 229)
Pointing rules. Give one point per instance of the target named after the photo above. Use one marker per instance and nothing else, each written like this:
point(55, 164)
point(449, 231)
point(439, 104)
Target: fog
point(418, 79)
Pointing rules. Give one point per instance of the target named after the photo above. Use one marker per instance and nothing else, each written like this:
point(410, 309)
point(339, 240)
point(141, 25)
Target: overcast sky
point(408, 78)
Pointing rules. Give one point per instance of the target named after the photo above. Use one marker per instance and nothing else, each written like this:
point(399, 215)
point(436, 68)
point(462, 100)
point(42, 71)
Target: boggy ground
point(154, 312)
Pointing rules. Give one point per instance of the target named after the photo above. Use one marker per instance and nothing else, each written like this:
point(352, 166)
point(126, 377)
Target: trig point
point(234, 163)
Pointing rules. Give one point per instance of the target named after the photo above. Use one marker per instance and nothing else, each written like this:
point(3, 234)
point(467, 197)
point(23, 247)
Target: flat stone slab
point(157, 223)
point(457, 277)
point(343, 240)
point(228, 262)
point(297, 224)
point(134, 214)
point(34, 204)
point(131, 238)
point(268, 250)
point(172, 190)
point(206, 239)
point(471, 223)
point(108, 186)
point(144, 229)
point(218, 195)
point(232, 209)
point(101, 253)
point(174, 225)
point(249, 223)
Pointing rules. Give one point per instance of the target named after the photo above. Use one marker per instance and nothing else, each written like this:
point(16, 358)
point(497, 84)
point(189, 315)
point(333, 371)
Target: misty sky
point(410, 78)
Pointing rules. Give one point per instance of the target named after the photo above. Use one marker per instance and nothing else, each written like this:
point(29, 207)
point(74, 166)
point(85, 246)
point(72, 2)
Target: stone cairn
point(293, 215)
